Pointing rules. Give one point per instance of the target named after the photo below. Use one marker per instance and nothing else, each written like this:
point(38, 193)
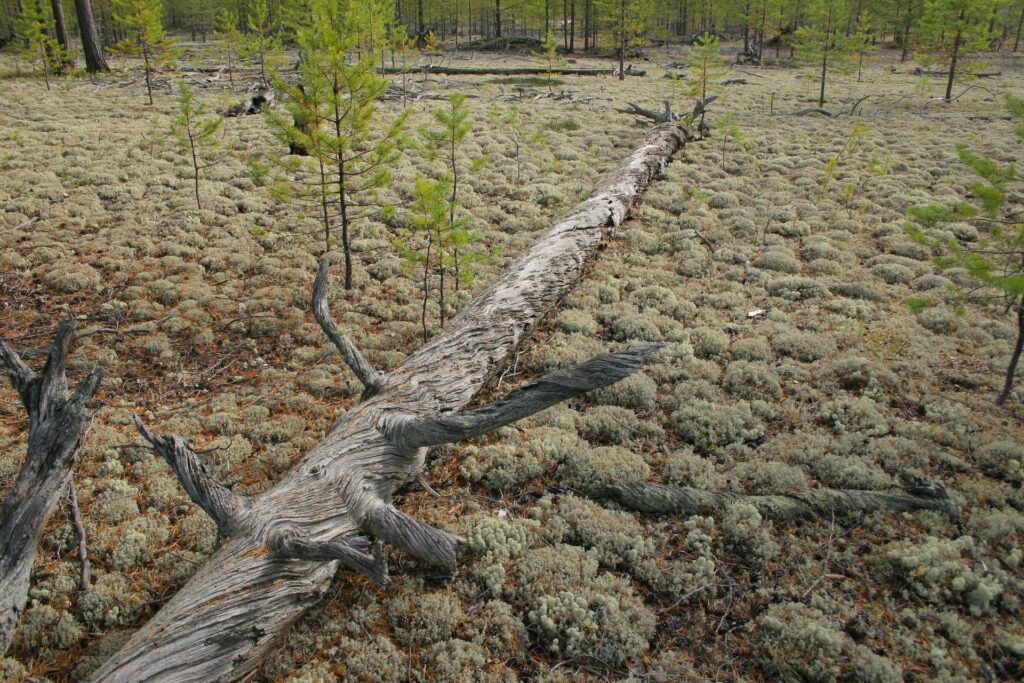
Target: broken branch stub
point(57, 422)
point(343, 342)
point(225, 508)
point(230, 614)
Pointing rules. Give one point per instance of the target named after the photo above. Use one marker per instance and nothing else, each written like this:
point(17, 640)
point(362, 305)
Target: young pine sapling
point(261, 42)
point(995, 260)
point(857, 132)
point(549, 56)
point(229, 39)
point(143, 21)
point(334, 118)
point(193, 133)
point(31, 35)
point(704, 63)
point(443, 143)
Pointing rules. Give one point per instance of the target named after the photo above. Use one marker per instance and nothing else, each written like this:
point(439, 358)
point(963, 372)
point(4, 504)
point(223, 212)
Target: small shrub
point(803, 346)
point(745, 535)
point(423, 618)
point(709, 425)
point(751, 380)
point(590, 471)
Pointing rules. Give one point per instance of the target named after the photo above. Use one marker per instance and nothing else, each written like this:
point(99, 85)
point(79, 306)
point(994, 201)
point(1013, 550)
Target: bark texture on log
point(275, 564)
point(57, 421)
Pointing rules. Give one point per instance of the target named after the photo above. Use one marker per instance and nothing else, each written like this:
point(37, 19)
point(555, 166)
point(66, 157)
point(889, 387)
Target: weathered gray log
point(254, 104)
point(508, 70)
point(685, 500)
point(225, 620)
point(56, 423)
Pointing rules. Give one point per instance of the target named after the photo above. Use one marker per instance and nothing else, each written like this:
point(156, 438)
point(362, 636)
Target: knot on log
point(288, 544)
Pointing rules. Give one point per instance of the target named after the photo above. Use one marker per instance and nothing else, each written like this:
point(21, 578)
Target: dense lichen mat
point(790, 363)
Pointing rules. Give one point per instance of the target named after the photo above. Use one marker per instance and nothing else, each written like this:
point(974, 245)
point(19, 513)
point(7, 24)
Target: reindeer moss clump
point(110, 602)
point(794, 642)
point(591, 471)
point(496, 628)
point(607, 424)
point(454, 661)
point(617, 537)
point(575, 321)
point(42, 626)
point(751, 380)
point(1002, 459)
point(709, 425)
point(803, 346)
point(134, 544)
point(849, 414)
point(745, 534)
point(422, 618)
point(935, 571)
point(497, 537)
point(636, 391)
point(503, 466)
point(375, 658)
point(602, 618)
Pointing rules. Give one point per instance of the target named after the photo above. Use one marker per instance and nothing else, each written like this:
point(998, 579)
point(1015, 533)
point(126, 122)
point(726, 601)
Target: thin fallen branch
point(508, 70)
point(85, 568)
point(684, 500)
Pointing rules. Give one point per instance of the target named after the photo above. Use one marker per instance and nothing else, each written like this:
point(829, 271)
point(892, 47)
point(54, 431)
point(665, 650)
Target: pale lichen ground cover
point(838, 384)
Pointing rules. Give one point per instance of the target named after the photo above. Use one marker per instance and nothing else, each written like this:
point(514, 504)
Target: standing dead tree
point(284, 545)
point(57, 421)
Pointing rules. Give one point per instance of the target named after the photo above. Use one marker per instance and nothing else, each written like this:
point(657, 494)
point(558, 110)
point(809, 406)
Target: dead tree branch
point(57, 421)
point(685, 500)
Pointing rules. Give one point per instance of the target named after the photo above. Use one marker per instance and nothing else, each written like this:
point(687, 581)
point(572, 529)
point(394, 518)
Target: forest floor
point(792, 362)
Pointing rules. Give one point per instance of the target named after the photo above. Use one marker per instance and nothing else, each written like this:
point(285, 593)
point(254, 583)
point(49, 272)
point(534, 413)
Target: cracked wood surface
point(226, 619)
point(57, 421)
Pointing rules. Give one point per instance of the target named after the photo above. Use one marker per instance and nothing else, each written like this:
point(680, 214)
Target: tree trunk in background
point(1020, 23)
point(497, 18)
point(94, 59)
point(572, 26)
point(952, 61)
point(62, 29)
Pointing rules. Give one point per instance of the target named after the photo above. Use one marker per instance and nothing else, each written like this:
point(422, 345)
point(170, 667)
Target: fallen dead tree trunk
point(815, 503)
point(284, 546)
point(508, 71)
point(57, 421)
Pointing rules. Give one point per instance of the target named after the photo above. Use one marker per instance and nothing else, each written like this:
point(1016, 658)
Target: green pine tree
point(30, 31)
point(143, 21)
point(995, 260)
point(334, 118)
point(193, 133)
